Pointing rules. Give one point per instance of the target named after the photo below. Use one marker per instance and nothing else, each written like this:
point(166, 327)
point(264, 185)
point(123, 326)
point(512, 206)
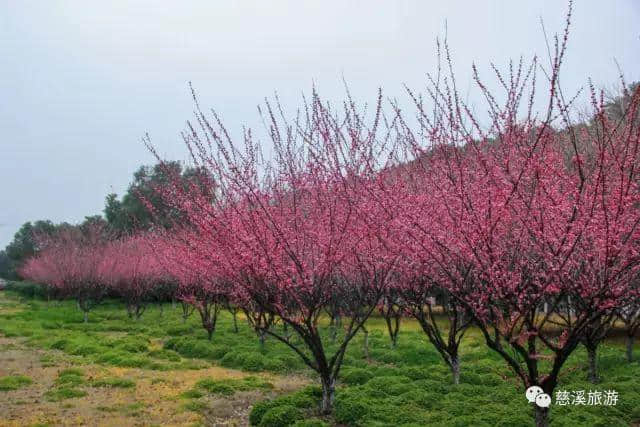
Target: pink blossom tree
point(547, 243)
point(292, 234)
point(74, 262)
point(135, 272)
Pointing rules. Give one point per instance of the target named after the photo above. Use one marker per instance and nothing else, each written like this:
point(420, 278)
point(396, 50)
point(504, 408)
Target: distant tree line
point(122, 216)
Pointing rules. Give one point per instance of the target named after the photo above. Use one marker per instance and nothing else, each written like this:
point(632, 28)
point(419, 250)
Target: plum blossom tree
point(201, 286)
point(629, 314)
point(532, 229)
point(289, 235)
point(74, 262)
point(135, 273)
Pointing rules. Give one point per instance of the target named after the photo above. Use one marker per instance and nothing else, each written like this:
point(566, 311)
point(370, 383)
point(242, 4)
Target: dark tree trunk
point(455, 369)
point(328, 392)
point(261, 336)
point(334, 329)
point(365, 344)
point(542, 416)
point(593, 367)
point(86, 317)
point(393, 327)
point(235, 321)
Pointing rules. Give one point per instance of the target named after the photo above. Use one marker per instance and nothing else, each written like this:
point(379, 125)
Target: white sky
point(81, 82)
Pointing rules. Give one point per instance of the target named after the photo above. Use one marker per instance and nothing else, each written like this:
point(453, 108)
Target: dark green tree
point(130, 214)
point(25, 244)
point(5, 264)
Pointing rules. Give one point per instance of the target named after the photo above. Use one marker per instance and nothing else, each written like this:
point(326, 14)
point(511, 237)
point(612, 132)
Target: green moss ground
point(409, 385)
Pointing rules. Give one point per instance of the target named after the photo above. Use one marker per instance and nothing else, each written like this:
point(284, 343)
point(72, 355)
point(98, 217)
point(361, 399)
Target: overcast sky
point(81, 82)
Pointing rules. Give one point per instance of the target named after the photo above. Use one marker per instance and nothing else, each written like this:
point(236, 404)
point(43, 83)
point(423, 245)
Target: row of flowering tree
point(524, 228)
point(526, 225)
point(87, 265)
point(522, 224)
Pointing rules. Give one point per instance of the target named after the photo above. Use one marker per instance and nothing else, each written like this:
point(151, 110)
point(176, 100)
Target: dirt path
point(155, 400)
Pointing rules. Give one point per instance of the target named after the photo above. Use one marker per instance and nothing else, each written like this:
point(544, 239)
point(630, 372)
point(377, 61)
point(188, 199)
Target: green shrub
point(251, 383)
point(274, 365)
point(420, 398)
point(253, 362)
point(415, 373)
point(180, 330)
point(71, 371)
point(356, 376)
point(63, 393)
point(83, 349)
point(194, 348)
point(232, 359)
point(386, 356)
point(280, 416)
point(133, 345)
point(311, 422)
point(303, 399)
point(291, 361)
point(385, 371)
point(300, 400)
point(27, 289)
point(215, 386)
point(70, 380)
point(70, 377)
point(230, 386)
point(51, 325)
point(14, 382)
point(164, 354)
point(258, 410)
point(388, 386)
point(59, 344)
point(349, 409)
point(192, 394)
point(194, 405)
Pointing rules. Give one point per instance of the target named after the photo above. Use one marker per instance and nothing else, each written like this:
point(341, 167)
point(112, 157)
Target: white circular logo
point(533, 392)
point(543, 400)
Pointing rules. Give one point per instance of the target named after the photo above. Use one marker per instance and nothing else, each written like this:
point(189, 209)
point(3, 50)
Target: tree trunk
point(593, 368)
point(161, 309)
point(261, 335)
point(629, 348)
point(542, 416)
point(209, 333)
point(328, 392)
point(235, 322)
point(86, 317)
point(455, 369)
point(334, 329)
point(365, 349)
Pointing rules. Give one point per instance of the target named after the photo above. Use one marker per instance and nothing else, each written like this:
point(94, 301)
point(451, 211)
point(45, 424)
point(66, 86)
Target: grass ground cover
point(409, 385)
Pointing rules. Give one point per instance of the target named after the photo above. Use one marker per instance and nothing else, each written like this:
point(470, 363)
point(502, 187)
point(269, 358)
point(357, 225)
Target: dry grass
point(155, 400)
